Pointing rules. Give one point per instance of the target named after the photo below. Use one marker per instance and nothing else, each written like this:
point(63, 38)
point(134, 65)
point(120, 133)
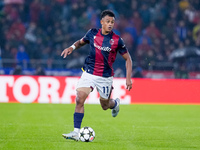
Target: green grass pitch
point(137, 127)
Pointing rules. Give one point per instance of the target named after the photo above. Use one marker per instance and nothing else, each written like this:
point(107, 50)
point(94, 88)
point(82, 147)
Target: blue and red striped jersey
point(103, 51)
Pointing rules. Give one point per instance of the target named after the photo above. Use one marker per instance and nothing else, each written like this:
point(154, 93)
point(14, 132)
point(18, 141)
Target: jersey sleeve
point(121, 47)
point(86, 38)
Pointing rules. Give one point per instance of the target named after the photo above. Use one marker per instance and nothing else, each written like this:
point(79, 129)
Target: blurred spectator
point(137, 72)
point(181, 30)
point(141, 52)
point(35, 10)
point(17, 70)
point(130, 41)
point(40, 71)
point(30, 33)
point(57, 63)
point(196, 17)
point(197, 43)
point(7, 56)
point(132, 31)
point(184, 4)
point(83, 21)
point(145, 14)
point(150, 59)
point(196, 31)
point(176, 40)
point(59, 37)
point(152, 31)
point(144, 46)
point(190, 13)
point(173, 17)
point(47, 58)
point(137, 22)
point(22, 57)
point(180, 71)
point(16, 31)
point(188, 42)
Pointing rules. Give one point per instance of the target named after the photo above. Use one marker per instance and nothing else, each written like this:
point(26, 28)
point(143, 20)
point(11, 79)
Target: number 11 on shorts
point(105, 90)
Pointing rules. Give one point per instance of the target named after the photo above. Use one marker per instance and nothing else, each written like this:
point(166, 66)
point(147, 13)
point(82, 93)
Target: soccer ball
point(86, 134)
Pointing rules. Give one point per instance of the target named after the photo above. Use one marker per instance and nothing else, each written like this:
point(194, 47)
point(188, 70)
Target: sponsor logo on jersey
point(107, 49)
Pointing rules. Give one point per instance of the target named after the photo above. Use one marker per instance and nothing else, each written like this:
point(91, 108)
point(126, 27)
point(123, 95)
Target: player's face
point(107, 24)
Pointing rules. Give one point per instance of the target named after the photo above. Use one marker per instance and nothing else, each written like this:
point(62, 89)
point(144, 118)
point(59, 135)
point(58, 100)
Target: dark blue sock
point(78, 117)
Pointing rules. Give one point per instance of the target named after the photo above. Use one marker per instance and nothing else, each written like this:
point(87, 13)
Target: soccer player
point(97, 70)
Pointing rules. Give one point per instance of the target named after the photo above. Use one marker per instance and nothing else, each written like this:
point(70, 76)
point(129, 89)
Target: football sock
point(76, 130)
point(78, 117)
point(115, 104)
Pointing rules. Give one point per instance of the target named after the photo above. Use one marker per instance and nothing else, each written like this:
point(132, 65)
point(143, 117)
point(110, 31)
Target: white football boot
point(72, 135)
point(115, 110)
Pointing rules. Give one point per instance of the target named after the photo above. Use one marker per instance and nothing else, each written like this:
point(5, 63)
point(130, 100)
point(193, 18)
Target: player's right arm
point(76, 45)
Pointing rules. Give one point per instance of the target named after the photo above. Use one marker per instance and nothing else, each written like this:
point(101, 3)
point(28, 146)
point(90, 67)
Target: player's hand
point(66, 52)
point(128, 84)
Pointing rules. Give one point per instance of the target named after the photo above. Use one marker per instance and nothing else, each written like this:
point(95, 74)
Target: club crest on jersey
point(111, 41)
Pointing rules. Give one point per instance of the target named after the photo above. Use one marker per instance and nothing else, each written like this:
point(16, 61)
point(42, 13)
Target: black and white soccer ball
point(86, 134)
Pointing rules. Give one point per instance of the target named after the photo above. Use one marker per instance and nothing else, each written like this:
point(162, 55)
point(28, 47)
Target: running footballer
point(97, 70)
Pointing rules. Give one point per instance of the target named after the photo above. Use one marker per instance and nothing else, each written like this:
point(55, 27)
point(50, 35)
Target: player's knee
point(80, 99)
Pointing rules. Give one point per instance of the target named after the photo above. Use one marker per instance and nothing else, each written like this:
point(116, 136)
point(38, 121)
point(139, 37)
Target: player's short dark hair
point(107, 13)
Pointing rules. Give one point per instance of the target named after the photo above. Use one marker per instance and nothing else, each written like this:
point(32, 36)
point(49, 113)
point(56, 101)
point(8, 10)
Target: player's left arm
point(127, 57)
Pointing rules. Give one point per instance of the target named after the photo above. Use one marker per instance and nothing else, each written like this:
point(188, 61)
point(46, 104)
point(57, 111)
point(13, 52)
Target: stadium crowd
point(34, 32)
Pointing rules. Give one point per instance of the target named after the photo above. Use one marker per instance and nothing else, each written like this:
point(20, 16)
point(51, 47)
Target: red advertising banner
point(48, 89)
point(168, 91)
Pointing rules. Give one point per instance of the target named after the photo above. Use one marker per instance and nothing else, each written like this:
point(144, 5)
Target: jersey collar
point(110, 34)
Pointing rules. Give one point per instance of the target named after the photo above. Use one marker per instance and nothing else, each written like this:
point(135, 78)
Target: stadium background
point(34, 32)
